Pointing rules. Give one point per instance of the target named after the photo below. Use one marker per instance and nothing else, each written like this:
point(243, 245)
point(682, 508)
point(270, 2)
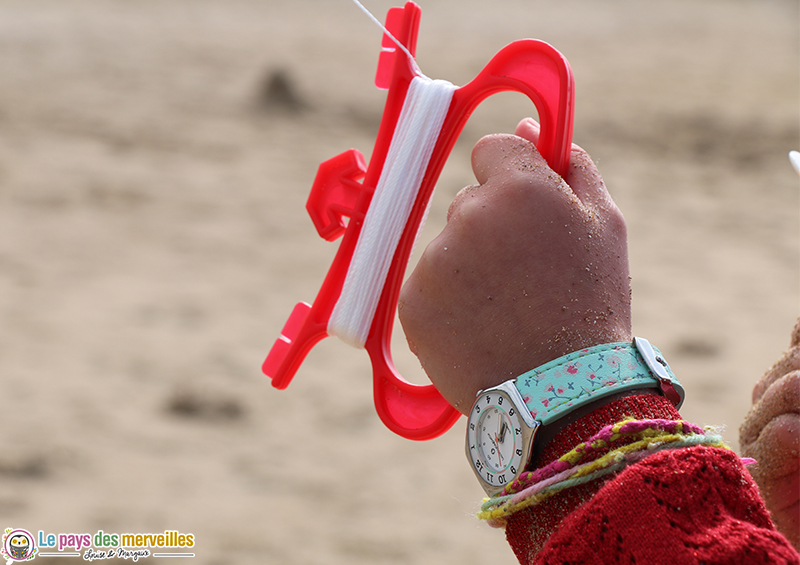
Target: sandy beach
point(153, 240)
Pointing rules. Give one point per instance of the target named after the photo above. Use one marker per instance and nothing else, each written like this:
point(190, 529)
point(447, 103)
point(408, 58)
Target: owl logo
point(18, 545)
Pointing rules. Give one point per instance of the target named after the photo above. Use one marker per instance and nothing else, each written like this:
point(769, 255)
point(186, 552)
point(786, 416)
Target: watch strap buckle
point(658, 366)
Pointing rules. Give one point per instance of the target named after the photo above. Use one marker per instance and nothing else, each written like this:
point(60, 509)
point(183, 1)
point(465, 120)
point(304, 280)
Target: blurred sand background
point(153, 239)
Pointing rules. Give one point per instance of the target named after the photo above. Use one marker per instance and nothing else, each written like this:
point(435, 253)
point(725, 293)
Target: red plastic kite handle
point(528, 66)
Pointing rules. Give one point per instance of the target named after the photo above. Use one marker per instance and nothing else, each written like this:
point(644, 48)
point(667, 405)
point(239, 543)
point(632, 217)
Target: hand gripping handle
point(528, 66)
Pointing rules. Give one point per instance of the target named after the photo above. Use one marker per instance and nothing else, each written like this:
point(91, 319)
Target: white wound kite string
point(415, 136)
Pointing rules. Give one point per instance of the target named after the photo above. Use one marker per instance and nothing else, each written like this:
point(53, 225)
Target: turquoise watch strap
point(564, 384)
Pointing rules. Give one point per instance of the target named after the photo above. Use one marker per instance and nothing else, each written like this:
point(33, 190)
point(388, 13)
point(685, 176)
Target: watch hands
point(503, 431)
point(499, 438)
point(499, 453)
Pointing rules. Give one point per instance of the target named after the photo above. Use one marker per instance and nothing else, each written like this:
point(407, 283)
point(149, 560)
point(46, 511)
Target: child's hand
point(528, 268)
point(771, 435)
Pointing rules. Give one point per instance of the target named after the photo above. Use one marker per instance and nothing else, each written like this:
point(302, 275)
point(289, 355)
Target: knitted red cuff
point(529, 529)
point(691, 506)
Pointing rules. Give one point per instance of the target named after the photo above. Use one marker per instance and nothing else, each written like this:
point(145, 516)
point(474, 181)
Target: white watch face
point(496, 439)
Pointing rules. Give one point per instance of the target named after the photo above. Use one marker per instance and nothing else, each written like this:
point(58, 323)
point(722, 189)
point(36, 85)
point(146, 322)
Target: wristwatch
point(503, 421)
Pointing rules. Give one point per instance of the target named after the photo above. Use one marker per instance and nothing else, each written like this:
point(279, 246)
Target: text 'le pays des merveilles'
point(169, 538)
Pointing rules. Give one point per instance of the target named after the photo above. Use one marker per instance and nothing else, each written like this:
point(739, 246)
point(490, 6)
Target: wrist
point(504, 422)
point(546, 435)
point(583, 379)
point(499, 366)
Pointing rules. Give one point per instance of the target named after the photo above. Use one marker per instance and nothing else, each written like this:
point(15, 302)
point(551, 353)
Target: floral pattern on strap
point(556, 388)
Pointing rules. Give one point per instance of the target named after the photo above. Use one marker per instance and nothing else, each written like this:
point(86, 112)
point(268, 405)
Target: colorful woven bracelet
point(567, 471)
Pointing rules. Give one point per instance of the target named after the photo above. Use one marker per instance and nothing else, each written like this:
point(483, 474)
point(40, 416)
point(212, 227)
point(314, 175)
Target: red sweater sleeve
point(688, 506)
point(695, 506)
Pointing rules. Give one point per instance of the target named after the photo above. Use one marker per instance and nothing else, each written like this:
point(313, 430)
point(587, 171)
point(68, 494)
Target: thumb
point(504, 154)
